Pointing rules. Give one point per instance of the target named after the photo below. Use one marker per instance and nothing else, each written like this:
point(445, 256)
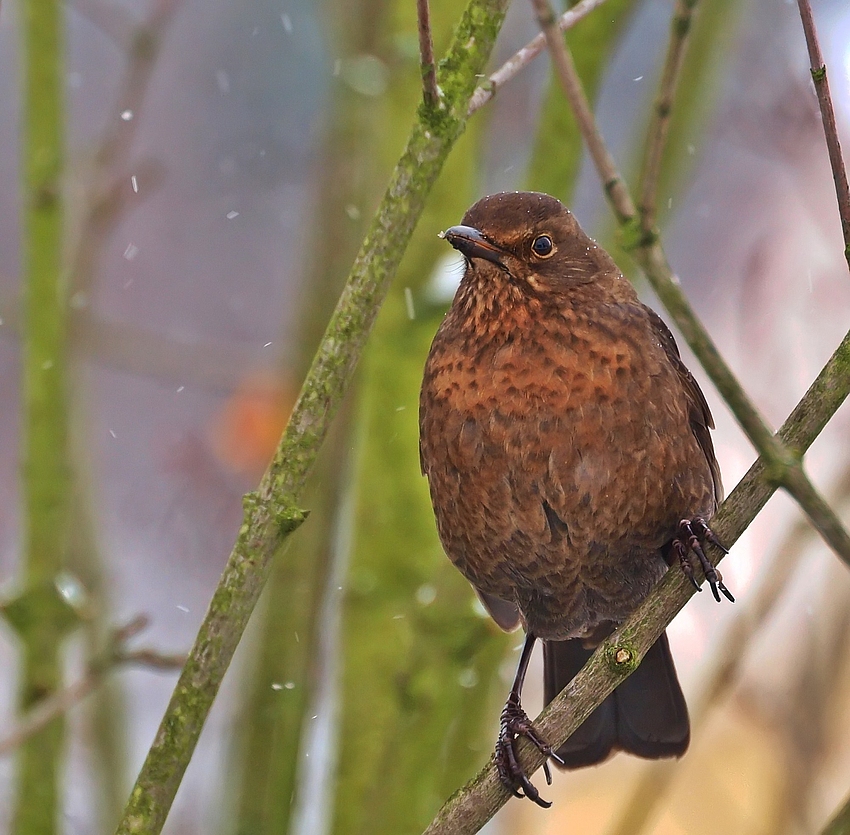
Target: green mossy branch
point(45, 482)
point(261, 535)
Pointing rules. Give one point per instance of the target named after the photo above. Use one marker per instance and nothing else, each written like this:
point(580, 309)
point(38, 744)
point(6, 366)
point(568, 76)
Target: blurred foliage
point(418, 662)
point(285, 679)
point(712, 33)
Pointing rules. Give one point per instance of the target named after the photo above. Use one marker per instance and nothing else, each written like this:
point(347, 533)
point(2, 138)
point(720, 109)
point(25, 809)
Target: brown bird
point(569, 461)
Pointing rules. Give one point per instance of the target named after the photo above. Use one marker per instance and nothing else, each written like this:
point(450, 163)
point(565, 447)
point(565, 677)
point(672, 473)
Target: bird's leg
point(687, 540)
point(514, 723)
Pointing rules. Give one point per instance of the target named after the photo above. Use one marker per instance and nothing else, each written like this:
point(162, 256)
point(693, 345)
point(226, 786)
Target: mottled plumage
point(562, 436)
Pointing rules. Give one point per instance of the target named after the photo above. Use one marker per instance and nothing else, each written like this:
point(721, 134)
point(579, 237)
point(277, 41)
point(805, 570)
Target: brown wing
point(700, 415)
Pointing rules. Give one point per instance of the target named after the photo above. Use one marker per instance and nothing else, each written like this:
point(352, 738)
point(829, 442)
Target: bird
point(569, 461)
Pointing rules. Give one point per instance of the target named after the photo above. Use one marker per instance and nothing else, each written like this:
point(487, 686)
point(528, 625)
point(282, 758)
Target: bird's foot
point(687, 542)
point(514, 724)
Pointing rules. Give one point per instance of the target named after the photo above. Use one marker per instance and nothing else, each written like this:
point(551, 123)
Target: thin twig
point(426, 55)
point(110, 194)
point(60, 702)
point(827, 112)
point(471, 807)
point(527, 54)
point(785, 466)
point(659, 125)
point(565, 69)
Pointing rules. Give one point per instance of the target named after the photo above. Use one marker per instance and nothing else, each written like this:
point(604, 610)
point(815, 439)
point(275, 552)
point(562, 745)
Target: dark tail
point(646, 715)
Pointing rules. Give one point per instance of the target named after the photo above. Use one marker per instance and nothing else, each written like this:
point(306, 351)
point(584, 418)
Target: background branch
point(272, 513)
point(565, 69)
point(45, 470)
point(840, 824)
point(59, 703)
point(827, 112)
point(426, 55)
point(523, 57)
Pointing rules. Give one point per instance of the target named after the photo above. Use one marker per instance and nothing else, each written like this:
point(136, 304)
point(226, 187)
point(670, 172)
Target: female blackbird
point(569, 461)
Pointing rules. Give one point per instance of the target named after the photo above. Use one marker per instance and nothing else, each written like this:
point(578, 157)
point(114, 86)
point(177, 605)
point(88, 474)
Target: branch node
point(290, 518)
point(622, 658)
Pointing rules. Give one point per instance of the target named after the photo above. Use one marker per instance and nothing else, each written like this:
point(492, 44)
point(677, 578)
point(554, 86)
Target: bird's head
point(529, 238)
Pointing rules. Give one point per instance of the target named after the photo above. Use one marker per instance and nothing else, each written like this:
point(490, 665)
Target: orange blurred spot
point(245, 433)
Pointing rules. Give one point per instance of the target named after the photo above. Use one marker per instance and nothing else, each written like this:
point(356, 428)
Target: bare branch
point(827, 112)
point(60, 702)
point(113, 20)
point(660, 123)
point(426, 55)
point(108, 198)
point(527, 54)
point(565, 69)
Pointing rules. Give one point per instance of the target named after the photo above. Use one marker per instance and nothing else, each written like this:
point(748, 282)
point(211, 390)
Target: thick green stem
point(45, 416)
point(272, 512)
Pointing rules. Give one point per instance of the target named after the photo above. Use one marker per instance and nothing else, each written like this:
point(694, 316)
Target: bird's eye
point(542, 246)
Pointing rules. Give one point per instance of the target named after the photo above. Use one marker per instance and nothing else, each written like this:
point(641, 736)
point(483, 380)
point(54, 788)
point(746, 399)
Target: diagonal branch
point(785, 466)
point(272, 512)
point(565, 68)
point(110, 196)
point(827, 112)
point(471, 807)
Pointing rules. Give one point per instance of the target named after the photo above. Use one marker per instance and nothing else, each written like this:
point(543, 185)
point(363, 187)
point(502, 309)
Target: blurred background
point(222, 163)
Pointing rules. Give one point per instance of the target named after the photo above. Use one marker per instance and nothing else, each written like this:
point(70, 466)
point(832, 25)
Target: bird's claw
point(514, 724)
point(686, 542)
